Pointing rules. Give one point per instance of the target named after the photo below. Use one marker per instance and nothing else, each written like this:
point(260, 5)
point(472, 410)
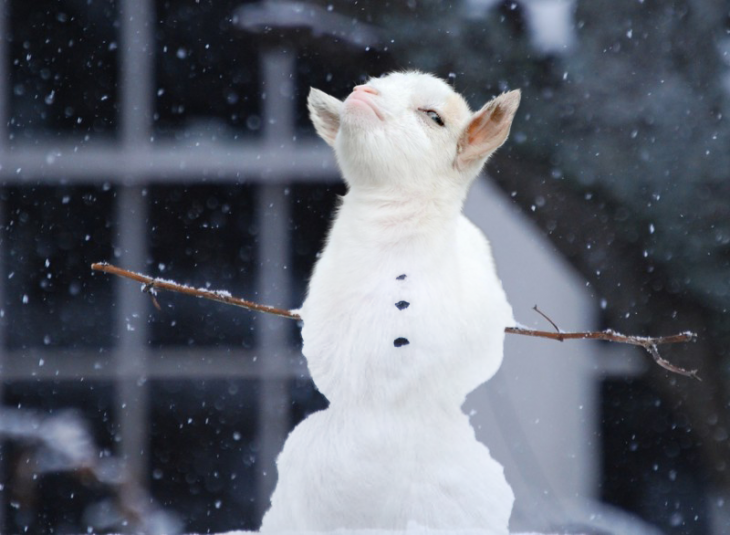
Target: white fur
point(394, 446)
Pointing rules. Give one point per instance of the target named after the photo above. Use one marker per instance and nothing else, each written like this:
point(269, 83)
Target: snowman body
point(404, 316)
point(394, 446)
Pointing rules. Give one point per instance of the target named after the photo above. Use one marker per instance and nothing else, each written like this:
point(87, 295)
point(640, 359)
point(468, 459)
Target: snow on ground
point(423, 531)
point(410, 531)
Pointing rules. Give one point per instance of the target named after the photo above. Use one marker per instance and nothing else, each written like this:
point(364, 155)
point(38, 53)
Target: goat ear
point(487, 129)
point(324, 111)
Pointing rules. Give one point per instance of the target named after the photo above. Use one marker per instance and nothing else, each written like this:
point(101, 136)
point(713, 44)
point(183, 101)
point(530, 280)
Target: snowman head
point(411, 131)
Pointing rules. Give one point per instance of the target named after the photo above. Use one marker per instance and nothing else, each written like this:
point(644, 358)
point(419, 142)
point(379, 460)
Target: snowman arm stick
point(151, 285)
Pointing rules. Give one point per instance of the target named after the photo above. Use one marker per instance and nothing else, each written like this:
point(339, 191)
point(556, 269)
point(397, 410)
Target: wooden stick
point(151, 285)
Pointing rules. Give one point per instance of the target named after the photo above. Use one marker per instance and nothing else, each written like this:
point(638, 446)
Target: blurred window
point(63, 69)
point(207, 73)
point(53, 234)
point(204, 451)
point(204, 235)
point(41, 494)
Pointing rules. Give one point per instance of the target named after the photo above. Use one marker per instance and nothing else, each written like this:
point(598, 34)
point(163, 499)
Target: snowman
point(404, 316)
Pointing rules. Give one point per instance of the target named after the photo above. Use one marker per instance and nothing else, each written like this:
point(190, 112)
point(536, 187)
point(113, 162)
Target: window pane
point(207, 71)
point(204, 452)
point(54, 233)
point(64, 67)
point(203, 235)
point(43, 500)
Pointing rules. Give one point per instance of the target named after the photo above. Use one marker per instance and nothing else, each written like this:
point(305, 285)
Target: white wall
point(539, 414)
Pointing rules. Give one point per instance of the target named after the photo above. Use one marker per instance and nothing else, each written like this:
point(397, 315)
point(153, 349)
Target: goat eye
point(435, 117)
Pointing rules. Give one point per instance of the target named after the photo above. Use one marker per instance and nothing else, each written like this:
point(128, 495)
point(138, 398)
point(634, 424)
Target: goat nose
point(366, 89)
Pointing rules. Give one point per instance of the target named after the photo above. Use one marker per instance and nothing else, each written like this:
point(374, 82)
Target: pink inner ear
point(486, 126)
point(472, 132)
point(330, 123)
point(487, 130)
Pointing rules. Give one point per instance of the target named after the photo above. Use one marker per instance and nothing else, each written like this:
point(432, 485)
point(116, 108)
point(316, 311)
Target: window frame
point(132, 161)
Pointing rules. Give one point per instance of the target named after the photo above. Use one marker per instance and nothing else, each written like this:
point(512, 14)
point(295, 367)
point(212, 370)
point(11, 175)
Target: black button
point(398, 342)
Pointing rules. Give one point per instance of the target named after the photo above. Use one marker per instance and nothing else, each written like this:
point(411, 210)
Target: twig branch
point(648, 343)
point(547, 318)
point(151, 285)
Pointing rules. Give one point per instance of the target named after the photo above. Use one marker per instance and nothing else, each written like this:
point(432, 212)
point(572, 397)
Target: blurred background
point(171, 137)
